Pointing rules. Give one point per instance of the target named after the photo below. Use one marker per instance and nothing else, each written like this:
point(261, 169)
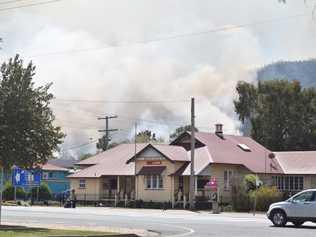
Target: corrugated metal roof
point(65, 163)
point(114, 161)
point(51, 167)
point(227, 151)
point(297, 162)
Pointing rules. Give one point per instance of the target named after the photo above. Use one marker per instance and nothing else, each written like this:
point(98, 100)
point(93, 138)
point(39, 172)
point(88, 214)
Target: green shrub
point(250, 182)
point(44, 193)
point(240, 198)
point(265, 197)
point(8, 192)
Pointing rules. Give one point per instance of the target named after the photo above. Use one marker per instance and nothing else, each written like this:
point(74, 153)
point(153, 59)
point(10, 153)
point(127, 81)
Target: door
point(303, 205)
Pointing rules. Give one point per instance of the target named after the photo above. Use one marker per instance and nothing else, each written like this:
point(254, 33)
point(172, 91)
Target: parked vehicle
point(298, 209)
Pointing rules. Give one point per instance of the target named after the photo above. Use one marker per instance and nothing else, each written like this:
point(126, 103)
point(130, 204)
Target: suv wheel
point(279, 218)
point(298, 223)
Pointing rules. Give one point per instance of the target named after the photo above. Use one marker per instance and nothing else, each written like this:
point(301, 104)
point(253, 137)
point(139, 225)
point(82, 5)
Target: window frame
point(289, 182)
point(228, 174)
point(154, 182)
point(82, 184)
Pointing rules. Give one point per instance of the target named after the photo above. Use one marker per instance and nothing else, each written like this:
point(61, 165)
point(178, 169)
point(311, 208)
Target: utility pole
point(192, 181)
point(104, 141)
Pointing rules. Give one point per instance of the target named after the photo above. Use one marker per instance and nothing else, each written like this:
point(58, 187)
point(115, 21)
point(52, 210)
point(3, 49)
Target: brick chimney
point(219, 130)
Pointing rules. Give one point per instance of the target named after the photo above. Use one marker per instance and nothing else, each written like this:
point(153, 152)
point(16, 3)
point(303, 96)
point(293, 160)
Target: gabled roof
point(115, 161)
point(202, 159)
point(171, 153)
point(122, 151)
point(297, 162)
point(110, 162)
point(65, 163)
point(227, 150)
point(50, 167)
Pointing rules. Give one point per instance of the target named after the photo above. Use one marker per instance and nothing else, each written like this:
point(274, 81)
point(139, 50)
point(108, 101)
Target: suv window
point(304, 197)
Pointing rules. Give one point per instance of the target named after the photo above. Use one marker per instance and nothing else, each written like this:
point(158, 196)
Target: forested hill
point(303, 71)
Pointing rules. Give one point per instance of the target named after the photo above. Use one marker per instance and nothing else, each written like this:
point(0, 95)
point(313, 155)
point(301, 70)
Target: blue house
point(56, 178)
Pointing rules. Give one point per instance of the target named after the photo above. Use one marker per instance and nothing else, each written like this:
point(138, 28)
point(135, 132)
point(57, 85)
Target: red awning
point(151, 170)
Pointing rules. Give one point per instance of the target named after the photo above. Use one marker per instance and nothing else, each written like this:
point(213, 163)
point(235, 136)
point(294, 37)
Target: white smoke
point(204, 66)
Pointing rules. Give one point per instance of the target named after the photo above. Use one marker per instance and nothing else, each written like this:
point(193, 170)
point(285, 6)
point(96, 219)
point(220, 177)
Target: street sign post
point(212, 185)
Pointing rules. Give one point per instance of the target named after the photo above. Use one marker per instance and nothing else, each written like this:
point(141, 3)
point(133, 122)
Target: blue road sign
point(21, 177)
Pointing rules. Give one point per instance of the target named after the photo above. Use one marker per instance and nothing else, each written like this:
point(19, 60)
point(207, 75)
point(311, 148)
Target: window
point(288, 183)
point(160, 181)
point(228, 174)
point(148, 181)
point(82, 183)
point(201, 182)
point(45, 175)
point(304, 197)
point(244, 147)
point(154, 182)
point(50, 175)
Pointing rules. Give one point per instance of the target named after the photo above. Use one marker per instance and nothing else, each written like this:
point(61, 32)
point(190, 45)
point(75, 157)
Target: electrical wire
point(121, 101)
point(73, 147)
point(173, 37)
point(11, 1)
point(29, 5)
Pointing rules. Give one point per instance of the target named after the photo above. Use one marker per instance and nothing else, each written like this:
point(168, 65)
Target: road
point(170, 223)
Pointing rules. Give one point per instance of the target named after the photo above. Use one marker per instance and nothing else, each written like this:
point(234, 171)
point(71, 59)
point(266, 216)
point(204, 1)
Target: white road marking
point(189, 231)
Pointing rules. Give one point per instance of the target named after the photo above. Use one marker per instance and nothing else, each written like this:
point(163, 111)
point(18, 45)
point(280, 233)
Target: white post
point(118, 185)
point(184, 201)
point(172, 191)
point(2, 176)
point(126, 199)
point(116, 199)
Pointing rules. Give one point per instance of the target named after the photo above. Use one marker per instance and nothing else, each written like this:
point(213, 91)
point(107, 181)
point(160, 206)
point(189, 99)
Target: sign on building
point(22, 178)
point(212, 184)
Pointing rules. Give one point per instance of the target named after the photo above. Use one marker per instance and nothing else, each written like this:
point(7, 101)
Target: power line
point(79, 146)
point(120, 101)
point(29, 5)
point(11, 1)
point(174, 37)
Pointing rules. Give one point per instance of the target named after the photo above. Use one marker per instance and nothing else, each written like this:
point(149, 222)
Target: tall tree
point(282, 114)
point(180, 130)
point(28, 135)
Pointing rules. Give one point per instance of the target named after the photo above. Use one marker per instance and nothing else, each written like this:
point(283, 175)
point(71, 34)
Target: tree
point(28, 135)
point(44, 192)
point(181, 130)
point(282, 114)
point(147, 136)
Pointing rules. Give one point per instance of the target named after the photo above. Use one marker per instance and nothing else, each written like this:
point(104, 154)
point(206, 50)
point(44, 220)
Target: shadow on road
point(294, 227)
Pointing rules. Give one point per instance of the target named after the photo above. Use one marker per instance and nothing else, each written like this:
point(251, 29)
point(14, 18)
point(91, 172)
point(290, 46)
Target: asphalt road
point(171, 223)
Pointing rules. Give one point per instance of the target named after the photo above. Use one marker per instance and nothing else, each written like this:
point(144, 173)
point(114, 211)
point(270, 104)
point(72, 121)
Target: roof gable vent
point(244, 147)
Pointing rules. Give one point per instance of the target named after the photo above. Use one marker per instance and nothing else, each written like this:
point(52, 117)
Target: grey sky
point(206, 66)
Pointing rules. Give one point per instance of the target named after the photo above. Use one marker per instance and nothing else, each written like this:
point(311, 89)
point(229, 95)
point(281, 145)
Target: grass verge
point(21, 231)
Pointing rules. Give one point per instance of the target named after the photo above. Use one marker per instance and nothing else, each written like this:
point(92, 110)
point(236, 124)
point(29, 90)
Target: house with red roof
point(160, 173)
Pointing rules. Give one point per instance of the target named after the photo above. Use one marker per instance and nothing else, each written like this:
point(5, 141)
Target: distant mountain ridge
point(303, 71)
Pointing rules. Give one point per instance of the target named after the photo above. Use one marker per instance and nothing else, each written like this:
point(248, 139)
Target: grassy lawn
point(8, 231)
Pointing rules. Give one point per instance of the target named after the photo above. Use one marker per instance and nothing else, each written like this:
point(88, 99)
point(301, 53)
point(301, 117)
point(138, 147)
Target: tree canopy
point(282, 114)
point(148, 136)
point(178, 131)
point(28, 136)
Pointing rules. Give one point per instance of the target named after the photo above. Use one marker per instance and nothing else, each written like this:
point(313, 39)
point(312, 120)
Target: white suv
point(298, 209)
